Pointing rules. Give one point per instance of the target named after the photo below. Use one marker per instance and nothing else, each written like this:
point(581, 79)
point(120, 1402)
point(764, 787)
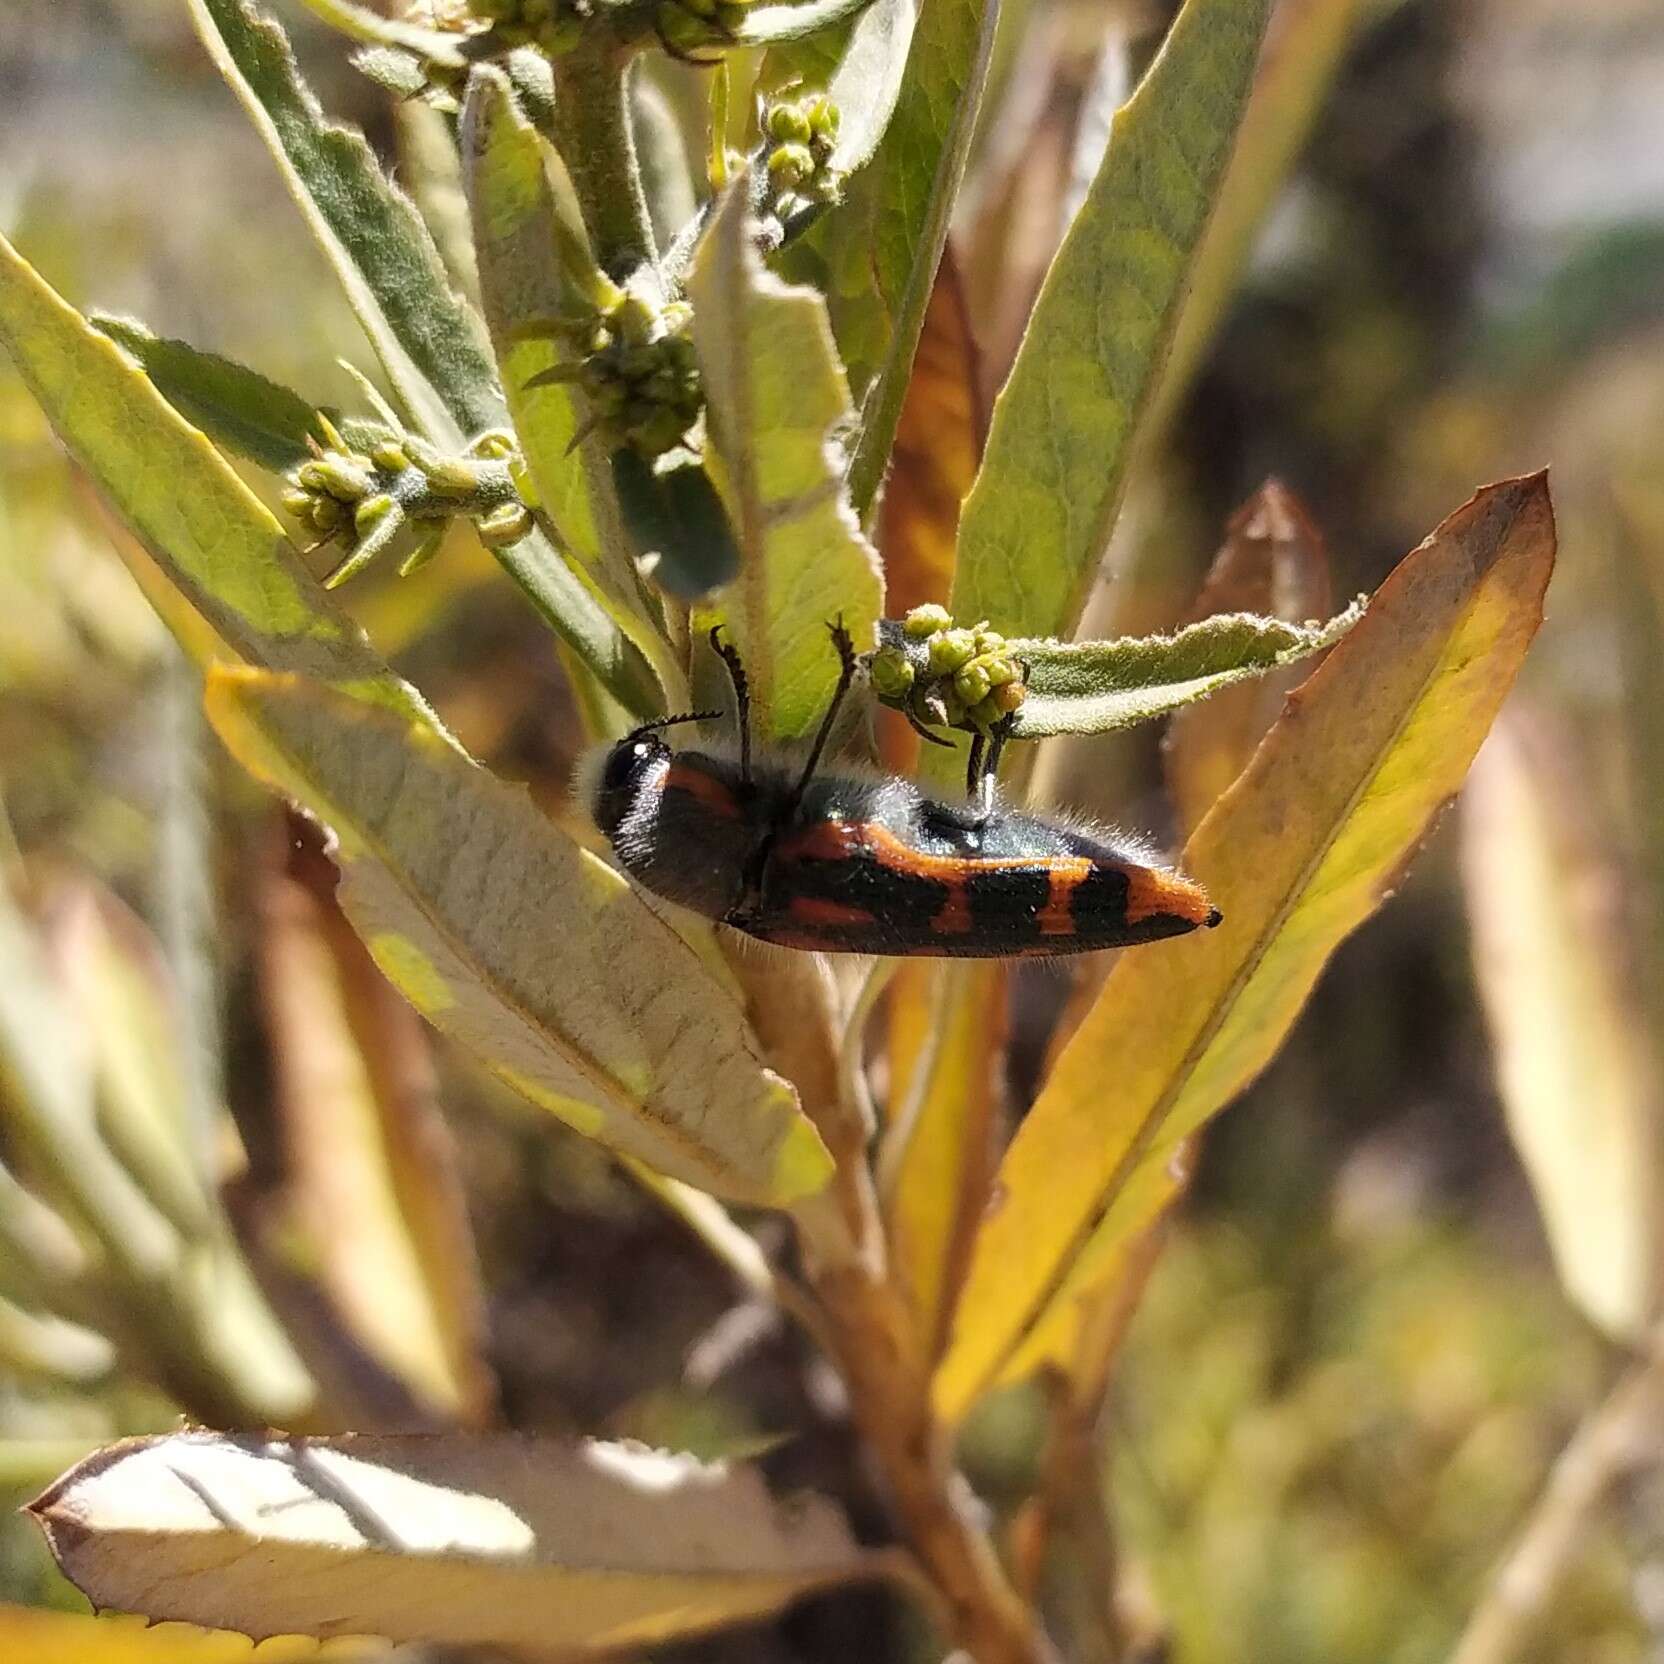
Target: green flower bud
point(326, 514)
point(371, 512)
point(891, 673)
point(495, 444)
point(787, 124)
point(506, 524)
point(926, 621)
point(789, 165)
point(823, 115)
point(999, 671)
point(389, 456)
point(297, 502)
point(950, 650)
point(971, 683)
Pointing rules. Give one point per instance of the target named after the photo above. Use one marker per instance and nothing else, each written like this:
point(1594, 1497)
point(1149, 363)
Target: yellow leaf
point(1298, 853)
point(28, 1632)
point(1573, 1062)
point(468, 1539)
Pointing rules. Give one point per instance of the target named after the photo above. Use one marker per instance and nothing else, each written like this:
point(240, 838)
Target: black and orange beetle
point(841, 863)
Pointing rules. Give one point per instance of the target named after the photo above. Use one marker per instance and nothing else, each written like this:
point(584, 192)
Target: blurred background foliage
point(1357, 1357)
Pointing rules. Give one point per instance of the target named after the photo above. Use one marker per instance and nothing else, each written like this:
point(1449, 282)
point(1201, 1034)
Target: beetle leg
point(730, 656)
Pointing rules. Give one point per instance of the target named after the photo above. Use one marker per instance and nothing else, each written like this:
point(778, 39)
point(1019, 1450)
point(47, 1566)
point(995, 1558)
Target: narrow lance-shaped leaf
point(875, 255)
point(235, 406)
point(212, 538)
point(776, 398)
point(430, 344)
point(519, 231)
point(1092, 687)
point(1296, 855)
point(1573, 1059)
point(1038, 519)
point(361, 23)
point(537, 956)
point(496, 1541)
point(1272, 561)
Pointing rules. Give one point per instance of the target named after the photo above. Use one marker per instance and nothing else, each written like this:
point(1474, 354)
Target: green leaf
point(235, 406)
point(875, 254)
point(524, 947)
point(429, 342)
point(1298, 853)
point(1574, 1061)
point(1039, 516)
point(869, 79)
point(1092, 687)
point(764, 25)
point(525, 279)
point(776, 397)
point(213, 539)
point(373, 29)
point(1303, 50)
point(542, 1546)
point(677, 520)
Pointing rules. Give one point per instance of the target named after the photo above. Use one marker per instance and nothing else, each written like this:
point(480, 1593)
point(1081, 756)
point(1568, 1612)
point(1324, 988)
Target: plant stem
point(592, 133)
point(1624, 1432)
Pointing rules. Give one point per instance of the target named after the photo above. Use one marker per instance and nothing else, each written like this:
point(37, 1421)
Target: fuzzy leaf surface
point(875, 254)
point(524, 947)
point(235, 406)
point(211, 537)
point(373, 28)
point(518, 227)
point(499, 1540)
point(764, 25)
point(1092, 687)
point(429, 342)
point(1064, 427)
point(776, 397)
point(1298, 853)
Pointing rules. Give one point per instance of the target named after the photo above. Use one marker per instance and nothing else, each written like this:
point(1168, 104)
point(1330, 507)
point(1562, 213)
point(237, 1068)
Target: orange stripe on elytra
point(818, 910)
point(705, 789)
point(1057, 917)
point(837, 840)
point(953, 917)
point(1150, 892)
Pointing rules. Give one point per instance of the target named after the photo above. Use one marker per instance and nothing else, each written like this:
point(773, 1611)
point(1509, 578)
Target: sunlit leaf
point(1296, 855)
point(361, 23)
point(1303, 49)
point(792, 19)
point(370, 1181)
point(1038, 519)
point(776, 398)
point(235, 406)
point(518, 231)
point(464, 1540)
point(1272, 562)
point(875, 255)
point(208, 533)
point(460, 887)
point(1573, 1060)
point(1092, 687)
point(947, 1037)
point(430, 344)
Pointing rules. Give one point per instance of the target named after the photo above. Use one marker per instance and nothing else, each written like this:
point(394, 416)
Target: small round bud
point(823, 115)
point(1009, 698)
point(789, 165)
point(971, 683)
point(950, 650)
point(326, 514)
point(787, 124)
point(297, 502)
point(926, 621)
point(891, 673)
point(389, 456)
point(636, 320)
point(998, 670)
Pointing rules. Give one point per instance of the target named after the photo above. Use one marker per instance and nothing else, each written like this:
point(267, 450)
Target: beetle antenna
point(658, 722)
point(846, 677)
point(730, 656)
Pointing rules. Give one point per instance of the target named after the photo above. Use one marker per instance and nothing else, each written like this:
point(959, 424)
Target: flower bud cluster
point(944, 675)
point(686, 25)
point(553, 26)
point(634, 362)
point(800, 135)
point(361, 498)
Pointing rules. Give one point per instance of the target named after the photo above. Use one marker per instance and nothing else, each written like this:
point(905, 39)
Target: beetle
point(844, 863)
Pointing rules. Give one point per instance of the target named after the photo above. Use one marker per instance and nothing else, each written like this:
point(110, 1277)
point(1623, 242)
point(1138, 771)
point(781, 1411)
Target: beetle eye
point(625, 763)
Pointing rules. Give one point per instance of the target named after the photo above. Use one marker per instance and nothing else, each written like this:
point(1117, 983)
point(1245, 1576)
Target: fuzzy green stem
point(593, 135)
